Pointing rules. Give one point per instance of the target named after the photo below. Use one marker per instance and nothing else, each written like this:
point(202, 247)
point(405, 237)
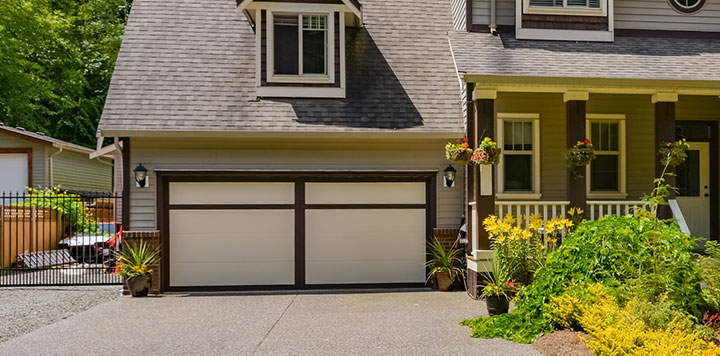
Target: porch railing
point(597, 209)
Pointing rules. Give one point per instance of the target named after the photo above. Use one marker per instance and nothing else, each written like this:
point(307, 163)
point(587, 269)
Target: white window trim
point(622, 155)
point(500, 172)
point(301, 78)
point(565, 10)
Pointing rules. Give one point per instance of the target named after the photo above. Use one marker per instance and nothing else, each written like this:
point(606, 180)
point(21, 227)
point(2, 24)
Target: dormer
point(567, 20)
point(300, 46)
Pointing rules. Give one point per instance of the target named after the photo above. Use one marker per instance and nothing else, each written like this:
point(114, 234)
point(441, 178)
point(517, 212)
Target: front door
point(693, 183)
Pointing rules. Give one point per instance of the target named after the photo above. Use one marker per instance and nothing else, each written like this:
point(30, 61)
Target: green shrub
point(69, 206)
point(634, 257)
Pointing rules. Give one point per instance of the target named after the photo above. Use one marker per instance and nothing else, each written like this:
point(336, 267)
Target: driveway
point(383, 323)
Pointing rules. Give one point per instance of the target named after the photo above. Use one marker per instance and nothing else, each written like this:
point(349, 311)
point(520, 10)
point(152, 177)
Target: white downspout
point(52, 167)
point(493, 16)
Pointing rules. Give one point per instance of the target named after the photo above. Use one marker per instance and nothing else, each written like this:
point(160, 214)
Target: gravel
point(24, 309)
point(562, 343)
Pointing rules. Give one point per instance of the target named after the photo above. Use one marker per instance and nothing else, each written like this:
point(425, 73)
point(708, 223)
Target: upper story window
point(589, 4)
point(300, 44)
point(565, 7)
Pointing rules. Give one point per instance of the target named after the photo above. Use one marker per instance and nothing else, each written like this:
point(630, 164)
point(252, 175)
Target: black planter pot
point(138, 286)
point(497, 305)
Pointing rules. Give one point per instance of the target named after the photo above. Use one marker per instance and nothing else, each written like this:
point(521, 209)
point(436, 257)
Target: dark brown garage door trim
point(164, 178)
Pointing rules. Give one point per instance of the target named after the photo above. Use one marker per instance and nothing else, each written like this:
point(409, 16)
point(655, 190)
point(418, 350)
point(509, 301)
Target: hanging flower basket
point(673, 154)
point(458, 151)
point(487, 153)
point(580, 155)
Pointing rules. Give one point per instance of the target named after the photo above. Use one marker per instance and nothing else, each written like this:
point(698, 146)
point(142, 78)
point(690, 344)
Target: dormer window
point(571, 4)
point(301, 45)
point(565, 7)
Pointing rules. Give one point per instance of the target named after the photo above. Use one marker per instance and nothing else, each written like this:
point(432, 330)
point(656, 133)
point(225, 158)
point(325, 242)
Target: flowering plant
point(673, 154)
point(498, 285)
point(458, 151)
point(487, 152)
point(135, 257)
point(580, 155)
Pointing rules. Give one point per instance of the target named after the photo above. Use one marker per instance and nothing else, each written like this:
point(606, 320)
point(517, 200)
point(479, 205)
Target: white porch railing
point(678, 215)
point(597, 209)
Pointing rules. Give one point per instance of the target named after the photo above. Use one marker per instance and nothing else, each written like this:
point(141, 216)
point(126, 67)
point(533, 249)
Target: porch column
point(469, 171)
point(484, 189)
point(664, 132)
point(575, 131)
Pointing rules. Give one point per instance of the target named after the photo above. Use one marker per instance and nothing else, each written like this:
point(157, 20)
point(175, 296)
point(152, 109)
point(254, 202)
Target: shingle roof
point(627, 57)
point(189, 65)
point(42, 138)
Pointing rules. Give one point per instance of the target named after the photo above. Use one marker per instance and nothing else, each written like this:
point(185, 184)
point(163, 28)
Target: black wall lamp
point(449, 178)
point(141, 175)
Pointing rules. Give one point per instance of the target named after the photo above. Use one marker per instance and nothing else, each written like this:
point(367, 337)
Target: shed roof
point(42, 138)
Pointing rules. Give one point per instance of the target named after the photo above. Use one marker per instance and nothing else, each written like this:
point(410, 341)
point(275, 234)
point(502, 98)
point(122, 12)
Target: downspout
point(52, 169)
point(493, 17)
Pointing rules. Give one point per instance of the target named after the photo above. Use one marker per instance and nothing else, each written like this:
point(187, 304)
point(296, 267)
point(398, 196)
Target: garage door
point(297, 233)
point(13, 172)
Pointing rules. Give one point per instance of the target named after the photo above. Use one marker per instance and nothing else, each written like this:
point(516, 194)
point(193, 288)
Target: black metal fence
point(54, 237)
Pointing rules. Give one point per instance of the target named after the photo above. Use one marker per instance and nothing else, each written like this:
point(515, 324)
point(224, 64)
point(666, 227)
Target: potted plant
point(487, 153)
point(458, 151)
point(673, 154)
point(445, 264)
point(580, 155)
point(498, 289)
point(133, 263)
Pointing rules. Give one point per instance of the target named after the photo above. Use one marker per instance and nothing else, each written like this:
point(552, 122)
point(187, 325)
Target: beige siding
point(458, 13)
point(505, 12)
point(39, 159)
point(659, 15)
point(74, 170)
point(255, 154)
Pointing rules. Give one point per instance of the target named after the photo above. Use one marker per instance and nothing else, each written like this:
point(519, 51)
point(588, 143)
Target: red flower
point(458, 140)
point(587, 141)
point(465, 140)
point(510, 284)
point(669, 144)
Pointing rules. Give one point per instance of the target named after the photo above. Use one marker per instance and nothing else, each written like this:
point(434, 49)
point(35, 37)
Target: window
point(590, 4)
point(300, 44)
point(606, 174)
point(519, 168)
point(687, 6)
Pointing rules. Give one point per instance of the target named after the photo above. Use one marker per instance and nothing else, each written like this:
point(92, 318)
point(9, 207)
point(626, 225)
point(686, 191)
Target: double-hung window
point(566, 7)
point(519, 168)
point(301, 47)
point(606, 174)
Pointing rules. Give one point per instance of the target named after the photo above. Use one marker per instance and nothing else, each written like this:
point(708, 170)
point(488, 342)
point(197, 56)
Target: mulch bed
point(562, 343)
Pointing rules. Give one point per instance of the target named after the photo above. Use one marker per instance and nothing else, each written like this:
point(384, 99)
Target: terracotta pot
point(497, 305)
point(444, 280)
point(138, 286)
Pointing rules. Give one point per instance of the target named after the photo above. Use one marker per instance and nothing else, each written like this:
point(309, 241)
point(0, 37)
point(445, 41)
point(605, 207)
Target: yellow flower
point(526, 234)
point(144, 266)
point(509, 219)
point(536, 222)
point(149, 271)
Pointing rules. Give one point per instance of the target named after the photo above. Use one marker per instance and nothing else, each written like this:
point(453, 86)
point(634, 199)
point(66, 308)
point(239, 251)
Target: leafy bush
point(69, 206)
point(635, 257)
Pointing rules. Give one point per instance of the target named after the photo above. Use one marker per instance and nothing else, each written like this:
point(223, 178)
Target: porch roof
point(685, 59)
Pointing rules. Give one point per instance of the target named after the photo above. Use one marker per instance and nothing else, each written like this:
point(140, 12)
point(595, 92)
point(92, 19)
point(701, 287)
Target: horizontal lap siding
point(77, 171)
point(659, 15)
point(505, 12)
point(39, 159)
point(279, 154)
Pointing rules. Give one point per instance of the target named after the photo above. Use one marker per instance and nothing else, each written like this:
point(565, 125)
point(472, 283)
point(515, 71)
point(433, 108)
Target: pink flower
point(510, 284)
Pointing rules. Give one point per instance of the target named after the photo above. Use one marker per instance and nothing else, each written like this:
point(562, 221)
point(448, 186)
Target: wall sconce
point(449, 178)
point(141, 177)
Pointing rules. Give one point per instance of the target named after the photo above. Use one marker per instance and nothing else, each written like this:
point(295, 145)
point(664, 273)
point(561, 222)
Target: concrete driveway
point(383, 323)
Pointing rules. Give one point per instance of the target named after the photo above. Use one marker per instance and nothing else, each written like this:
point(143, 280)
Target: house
point(32, 159)
point(629, 75)
point(288, 144)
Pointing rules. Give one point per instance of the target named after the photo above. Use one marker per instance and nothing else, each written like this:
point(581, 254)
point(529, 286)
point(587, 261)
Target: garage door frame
point(165, 177)
point(29, 153)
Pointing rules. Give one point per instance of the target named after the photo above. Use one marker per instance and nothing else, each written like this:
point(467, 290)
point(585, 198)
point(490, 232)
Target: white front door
point(693, 183)
point(13, 172)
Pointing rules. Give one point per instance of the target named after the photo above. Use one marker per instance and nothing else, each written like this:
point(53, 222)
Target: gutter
point(493, 17)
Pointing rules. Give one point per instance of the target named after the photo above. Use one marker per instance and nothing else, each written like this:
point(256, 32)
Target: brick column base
point(153, 239)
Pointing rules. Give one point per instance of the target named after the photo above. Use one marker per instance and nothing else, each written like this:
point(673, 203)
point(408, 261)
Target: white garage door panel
point(13, 172)
point(232, 193)
point(365, 193)
point(365, 246)
point(231, 247)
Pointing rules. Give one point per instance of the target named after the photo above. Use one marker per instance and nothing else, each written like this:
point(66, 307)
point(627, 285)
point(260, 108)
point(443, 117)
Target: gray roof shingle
point(626, 58)
point(189, 65)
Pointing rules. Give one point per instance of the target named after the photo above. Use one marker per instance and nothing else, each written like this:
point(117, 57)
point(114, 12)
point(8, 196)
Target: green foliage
point(509, 326)
point(444, 259)
point(499, 282)
point(635, 257)
point(69, 206)
point(712, 249)
point(710, 275)
point(136, 258)
point(56, 64)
